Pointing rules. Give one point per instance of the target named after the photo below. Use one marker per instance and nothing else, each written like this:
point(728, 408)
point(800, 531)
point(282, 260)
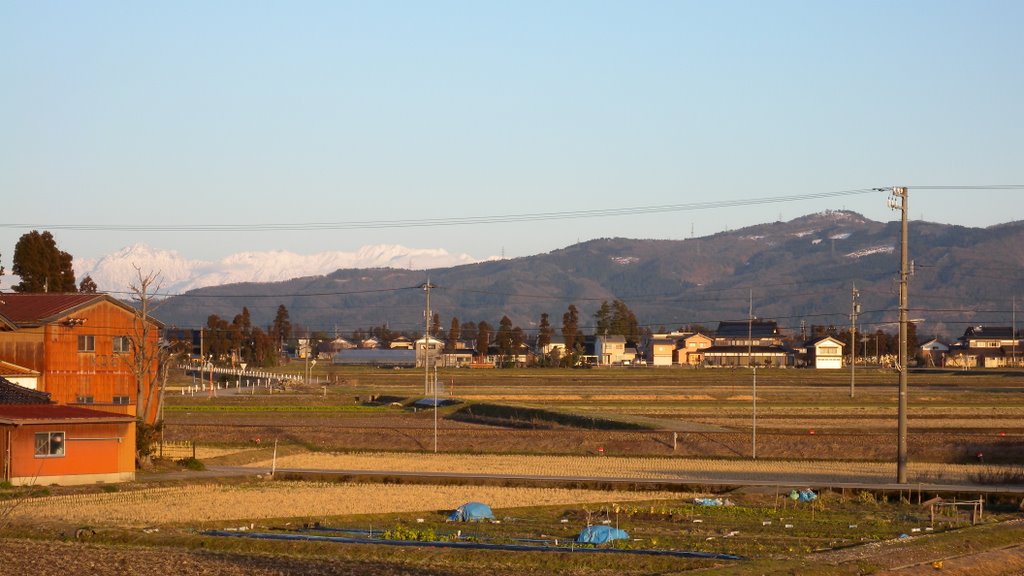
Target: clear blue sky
point(293, 112)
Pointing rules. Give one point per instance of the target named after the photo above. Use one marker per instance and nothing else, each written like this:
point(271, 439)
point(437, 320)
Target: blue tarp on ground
point(471, 512)
point(806, 495)
point(600, 535)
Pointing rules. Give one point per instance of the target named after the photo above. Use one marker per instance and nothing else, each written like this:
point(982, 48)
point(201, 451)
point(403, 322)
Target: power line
point(449, 221)
point(293, 295)
point(970, 187)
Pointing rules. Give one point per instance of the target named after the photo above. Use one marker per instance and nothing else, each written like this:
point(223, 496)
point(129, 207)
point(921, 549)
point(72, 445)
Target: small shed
point(46, 443)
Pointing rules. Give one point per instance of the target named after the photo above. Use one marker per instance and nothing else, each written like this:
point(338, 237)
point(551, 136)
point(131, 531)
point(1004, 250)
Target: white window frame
point(53, 446)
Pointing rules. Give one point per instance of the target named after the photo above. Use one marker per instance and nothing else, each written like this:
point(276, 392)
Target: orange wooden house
point(45, 443)
point(82, 347)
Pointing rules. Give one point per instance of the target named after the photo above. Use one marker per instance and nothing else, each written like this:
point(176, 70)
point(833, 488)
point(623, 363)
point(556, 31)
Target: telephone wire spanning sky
point(192, 118)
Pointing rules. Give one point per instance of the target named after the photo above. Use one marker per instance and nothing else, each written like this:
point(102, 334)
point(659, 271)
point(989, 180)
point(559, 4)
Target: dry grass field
point(221, 504)
point(708, 470)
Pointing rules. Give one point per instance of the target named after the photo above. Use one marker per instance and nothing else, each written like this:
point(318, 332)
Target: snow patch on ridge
point(625, 259)
point(873, 250)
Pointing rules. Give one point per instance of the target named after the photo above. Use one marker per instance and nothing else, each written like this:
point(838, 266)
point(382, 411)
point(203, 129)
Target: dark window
point(86, 343)
point(49, 444)
point(84, 399)
point(122, 344)
point(122, 400)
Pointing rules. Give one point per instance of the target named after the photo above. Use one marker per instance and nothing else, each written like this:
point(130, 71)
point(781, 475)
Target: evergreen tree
point(624, 321)
point(41, 265)
point(518, 338)
point(469, 333)
point(241, 336)
point(504, 338)
point(570, 332)
point(454, 332)
point(616, 319)
point(435, 325)
point(264, 349)
point(603, 317)
point(483, 337)
point(88, 286)
point(217, 337)
point(281, 329)
point(544, 334)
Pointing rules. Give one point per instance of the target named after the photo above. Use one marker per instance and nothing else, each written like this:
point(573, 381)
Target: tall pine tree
point(41, 265)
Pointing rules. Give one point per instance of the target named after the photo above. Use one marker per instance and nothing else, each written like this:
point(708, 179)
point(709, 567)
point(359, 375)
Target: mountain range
point(115, 272)
point(799, 273)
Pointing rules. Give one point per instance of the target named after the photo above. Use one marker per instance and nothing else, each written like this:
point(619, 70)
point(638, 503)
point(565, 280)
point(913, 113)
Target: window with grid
point(122, 344)
point(122, 400)
point(86, 343)
point(49, 444)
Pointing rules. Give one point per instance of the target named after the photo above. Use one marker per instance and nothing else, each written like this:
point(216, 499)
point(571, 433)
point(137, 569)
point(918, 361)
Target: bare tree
point(150, 363)
point(144, 342)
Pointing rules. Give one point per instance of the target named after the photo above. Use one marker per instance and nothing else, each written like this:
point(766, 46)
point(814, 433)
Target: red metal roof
point(37, 307)
point(9, 369)
point(53, 413)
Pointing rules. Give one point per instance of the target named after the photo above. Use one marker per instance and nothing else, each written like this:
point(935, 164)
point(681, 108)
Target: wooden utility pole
point(854, 311)
point(899, 201)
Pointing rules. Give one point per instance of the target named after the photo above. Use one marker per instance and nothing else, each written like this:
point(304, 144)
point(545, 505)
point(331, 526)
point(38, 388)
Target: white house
point(430, 348)
point(827, 353)
point(933, 352)
point(611, 350)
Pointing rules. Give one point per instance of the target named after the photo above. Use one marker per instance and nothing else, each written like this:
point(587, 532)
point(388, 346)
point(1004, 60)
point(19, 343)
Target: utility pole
point(854, 311)
point(750, 362)
point(899, 201)
point(426, 338)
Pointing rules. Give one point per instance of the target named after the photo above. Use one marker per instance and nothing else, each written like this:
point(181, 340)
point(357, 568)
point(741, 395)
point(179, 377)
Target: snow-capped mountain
point(115, 272)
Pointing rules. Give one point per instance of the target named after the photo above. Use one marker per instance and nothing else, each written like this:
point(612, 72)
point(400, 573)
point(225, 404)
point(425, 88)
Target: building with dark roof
point(754, 343)
point(985, 347)
point(11, 393)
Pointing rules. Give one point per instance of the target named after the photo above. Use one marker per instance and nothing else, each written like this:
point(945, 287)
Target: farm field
point(784, 473)
point(801, 414)
point(99, 531)
point(632, 423)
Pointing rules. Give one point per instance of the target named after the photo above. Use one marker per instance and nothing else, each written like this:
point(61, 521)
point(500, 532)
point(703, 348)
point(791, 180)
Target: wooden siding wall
point(66, 373)
point(24, 348)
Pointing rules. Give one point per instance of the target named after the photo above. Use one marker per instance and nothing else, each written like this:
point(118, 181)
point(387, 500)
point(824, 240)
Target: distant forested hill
point(797, 271)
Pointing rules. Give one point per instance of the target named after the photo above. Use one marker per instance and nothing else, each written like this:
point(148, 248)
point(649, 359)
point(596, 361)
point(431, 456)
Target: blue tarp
point(601, 534)
point(471, 512)
point(806, 495)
